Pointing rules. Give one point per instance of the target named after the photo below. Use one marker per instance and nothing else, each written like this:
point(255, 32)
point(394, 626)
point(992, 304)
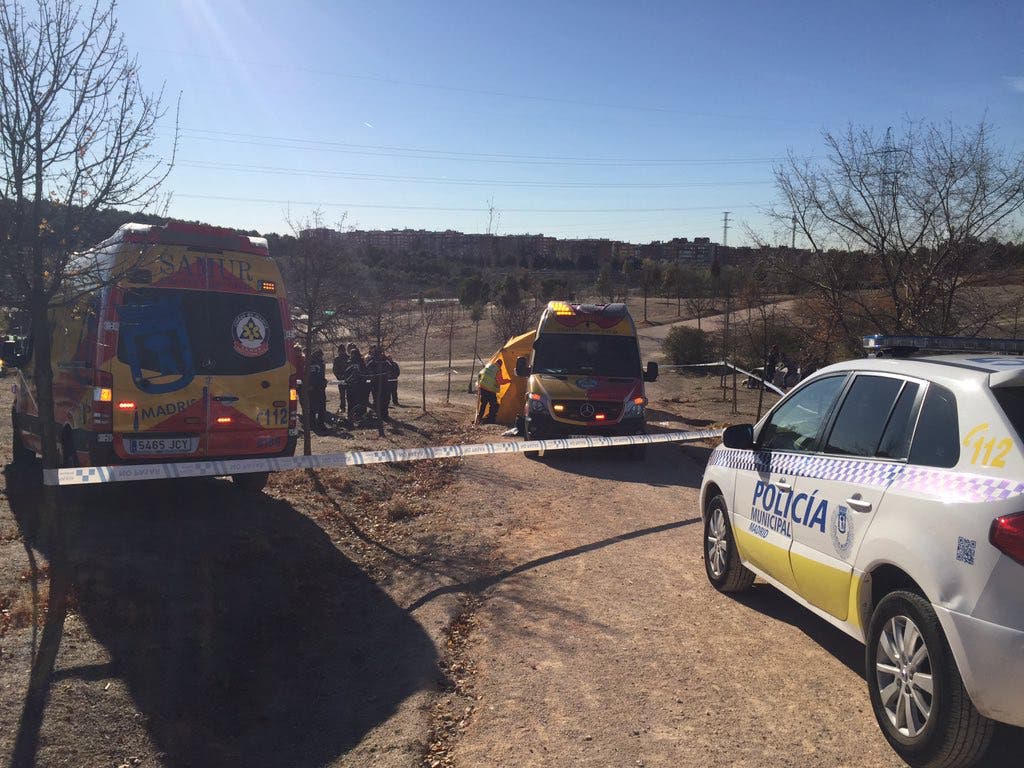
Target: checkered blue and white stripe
point(944, 484)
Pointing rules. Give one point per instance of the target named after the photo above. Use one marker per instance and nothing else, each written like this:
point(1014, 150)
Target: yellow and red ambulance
point(182, 351)
point(584, 373)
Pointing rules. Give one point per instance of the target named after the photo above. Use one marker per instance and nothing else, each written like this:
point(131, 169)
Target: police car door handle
point(784, 485)
point(859, 505)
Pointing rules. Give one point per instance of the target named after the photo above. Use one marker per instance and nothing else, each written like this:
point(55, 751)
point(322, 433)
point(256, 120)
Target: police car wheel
point(721, 560)
point(917, 695)
point(251, 482)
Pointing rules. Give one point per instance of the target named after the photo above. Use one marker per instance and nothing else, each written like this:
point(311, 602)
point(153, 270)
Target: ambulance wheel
point(916, 691)
point(532, 434)
point(19, 453)
point(721, 560)
point(251, 482)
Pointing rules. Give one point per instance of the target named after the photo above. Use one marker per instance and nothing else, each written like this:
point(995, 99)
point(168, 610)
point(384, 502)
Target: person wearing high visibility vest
point(488, 386)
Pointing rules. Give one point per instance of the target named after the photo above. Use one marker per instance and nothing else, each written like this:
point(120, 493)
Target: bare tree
point(316, 268)
point(514, 310)
point(429, 316)
point(384, 319)
point(76, 135)
point(699, 299)
point(449, 326)
point(900, 227)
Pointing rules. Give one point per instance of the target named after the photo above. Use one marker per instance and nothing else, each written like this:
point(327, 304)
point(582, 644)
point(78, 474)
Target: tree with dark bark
point(900, 228)
point(77, 129)
point(317, 270)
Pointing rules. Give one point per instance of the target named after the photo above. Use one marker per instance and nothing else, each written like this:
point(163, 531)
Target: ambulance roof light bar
point(901, 346)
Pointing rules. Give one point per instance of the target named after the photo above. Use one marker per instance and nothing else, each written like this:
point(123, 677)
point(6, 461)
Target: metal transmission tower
point(728, 313)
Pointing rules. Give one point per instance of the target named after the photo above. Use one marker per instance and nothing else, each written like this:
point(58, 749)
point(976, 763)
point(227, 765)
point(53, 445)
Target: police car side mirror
point(651, 374)
point(522, 366)
point(740, 436)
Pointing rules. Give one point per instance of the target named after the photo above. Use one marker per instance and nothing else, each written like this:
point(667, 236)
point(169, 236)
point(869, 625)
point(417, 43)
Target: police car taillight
point(1007, 535)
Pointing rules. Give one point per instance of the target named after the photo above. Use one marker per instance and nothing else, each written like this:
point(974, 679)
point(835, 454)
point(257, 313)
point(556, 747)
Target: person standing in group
point(356, 387)
point(771, 364)
point(394, 371)
point(317, 383)
point(377, 373)
point(338, 368)
point(490, 383)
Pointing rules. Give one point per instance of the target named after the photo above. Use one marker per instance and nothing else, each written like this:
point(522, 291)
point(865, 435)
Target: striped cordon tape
point(121, 474)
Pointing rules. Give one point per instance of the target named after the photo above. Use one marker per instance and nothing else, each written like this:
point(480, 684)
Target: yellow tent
point(512, 395)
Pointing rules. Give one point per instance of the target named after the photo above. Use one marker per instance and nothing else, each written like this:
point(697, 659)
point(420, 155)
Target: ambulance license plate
point(154, 446)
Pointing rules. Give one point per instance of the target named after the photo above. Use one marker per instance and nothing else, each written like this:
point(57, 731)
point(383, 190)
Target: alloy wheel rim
point(717, 544)
point(903, 672)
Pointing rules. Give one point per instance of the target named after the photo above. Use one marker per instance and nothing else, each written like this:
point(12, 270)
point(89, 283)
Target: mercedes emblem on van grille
point(587, 410)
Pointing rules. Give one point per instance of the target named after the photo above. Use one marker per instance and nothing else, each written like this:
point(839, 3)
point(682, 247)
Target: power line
point(488, 155)
point(445, 208)
point(479, 91)
point(415, 154)
point(356, 176)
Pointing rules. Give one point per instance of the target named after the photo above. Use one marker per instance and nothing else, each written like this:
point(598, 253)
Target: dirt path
point(604, 645)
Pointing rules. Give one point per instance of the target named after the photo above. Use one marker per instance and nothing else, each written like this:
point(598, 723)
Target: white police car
point(887, 496)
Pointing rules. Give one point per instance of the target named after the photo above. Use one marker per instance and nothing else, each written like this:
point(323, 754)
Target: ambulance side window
point(794, 426)
point(936, 441)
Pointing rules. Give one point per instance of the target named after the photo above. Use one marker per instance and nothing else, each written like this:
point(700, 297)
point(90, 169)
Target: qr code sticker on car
point(965, 549)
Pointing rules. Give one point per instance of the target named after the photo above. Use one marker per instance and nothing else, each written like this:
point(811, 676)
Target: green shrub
point(684, 346)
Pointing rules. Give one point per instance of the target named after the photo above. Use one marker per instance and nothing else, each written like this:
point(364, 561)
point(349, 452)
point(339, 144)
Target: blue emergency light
point(897, 346)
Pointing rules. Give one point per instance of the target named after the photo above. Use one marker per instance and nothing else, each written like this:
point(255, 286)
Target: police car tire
point(735, 577)
point(19, 453)
point(956, 734)
point(251, 482)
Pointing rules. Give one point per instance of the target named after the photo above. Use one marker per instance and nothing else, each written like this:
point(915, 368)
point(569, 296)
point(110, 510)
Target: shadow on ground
point(245, 637)
point(1008, 743)
point(664, 464)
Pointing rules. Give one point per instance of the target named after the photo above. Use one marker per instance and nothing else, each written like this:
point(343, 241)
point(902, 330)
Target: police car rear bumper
point(989, 658)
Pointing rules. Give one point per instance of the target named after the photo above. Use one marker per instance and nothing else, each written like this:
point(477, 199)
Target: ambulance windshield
point(593, 354)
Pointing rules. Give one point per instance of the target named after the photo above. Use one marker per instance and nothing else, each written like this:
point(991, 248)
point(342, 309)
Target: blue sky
point(632, 120)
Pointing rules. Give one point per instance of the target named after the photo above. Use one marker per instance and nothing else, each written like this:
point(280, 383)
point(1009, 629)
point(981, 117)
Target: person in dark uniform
point(317, 376)
point(393, 373)
point(377, 373)
point(338, 368)
point(357, 389)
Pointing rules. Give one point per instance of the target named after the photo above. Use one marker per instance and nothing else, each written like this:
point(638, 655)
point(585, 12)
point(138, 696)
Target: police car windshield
point(593, 354)
point(167, 335)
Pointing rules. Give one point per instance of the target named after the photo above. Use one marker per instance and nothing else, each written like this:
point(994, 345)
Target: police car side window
point(863, 415)
point(895, 443)
point(936, 441)
point(794, 426)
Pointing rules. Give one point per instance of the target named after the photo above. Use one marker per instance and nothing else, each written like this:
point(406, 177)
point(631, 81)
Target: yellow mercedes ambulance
point(181, 351)
point(585, 376)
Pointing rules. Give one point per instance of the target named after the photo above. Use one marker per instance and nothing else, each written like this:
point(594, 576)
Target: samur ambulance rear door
point(246, 370)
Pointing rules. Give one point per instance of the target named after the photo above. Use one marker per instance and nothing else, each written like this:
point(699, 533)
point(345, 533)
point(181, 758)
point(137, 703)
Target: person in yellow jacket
point(488, 386)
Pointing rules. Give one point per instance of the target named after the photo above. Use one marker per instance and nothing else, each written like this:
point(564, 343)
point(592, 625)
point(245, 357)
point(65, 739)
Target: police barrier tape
point(723, 363)
point(120, 474)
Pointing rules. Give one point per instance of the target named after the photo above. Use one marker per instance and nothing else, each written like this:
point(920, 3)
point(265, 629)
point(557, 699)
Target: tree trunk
point(448, 393)
point(426, 331)
point(472, 365)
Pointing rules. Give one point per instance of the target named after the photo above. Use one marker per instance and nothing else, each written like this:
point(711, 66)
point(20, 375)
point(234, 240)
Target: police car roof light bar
point(881, 345)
